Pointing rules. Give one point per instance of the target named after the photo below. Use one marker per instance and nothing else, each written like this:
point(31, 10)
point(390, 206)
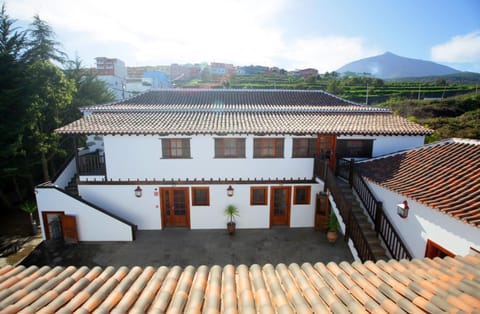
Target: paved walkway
point(197, 247)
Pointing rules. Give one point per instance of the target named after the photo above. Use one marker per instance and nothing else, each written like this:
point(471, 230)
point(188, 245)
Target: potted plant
point(333, 227)
point(231, 211)
point(30, 208)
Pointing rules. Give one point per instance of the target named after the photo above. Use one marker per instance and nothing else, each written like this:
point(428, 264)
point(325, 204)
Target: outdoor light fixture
point(230, 191)
point(138, 191)
point(402, 209)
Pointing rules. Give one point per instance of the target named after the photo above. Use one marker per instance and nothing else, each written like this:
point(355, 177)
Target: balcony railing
point(374, 208)
point(352, 227)
point(91, 164)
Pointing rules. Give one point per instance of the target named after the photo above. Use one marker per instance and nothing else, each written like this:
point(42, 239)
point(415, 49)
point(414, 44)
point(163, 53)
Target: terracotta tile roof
point(236, 100)
point(236, 111)
point(417, 286)
point(444, 176)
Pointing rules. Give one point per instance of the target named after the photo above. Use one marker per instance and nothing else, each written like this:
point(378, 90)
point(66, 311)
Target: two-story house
point(177, 158)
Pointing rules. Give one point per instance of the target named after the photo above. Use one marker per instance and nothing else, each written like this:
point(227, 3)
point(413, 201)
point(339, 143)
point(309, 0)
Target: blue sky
point(291, 34)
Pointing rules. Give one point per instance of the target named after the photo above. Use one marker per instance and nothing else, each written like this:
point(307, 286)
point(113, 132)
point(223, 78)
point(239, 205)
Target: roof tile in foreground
point(444, 176)
point(417, 286)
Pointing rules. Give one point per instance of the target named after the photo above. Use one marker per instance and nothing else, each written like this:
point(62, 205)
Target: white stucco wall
point(121, 200)
point(92, 225)
point(140, 157)
point(389, 144)
point(425, 223)
point(145, 211)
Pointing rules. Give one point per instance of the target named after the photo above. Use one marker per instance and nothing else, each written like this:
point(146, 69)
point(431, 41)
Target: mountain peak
point(390, 66)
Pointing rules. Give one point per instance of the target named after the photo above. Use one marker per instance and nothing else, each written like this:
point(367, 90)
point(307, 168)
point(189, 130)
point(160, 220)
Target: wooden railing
point(374, 208)
point(91, 164)
point(319, 168)
point(352, 227)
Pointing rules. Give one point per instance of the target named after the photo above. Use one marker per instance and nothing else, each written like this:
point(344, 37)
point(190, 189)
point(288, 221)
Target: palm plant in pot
point(333, 226)
point(231, 211)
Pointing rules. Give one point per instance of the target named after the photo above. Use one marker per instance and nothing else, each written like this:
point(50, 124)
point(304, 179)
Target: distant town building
point(221, 68)
point(252, 69)
point(184, 71)
point(305, 73)
point(114, 73)
point(141, 79)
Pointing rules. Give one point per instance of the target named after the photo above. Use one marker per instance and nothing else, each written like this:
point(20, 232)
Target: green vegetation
point(40, 90)
point(451, 117)
point(352, 88)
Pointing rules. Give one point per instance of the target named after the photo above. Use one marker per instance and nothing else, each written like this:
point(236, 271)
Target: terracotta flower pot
point(331, 236)
point(231, 228)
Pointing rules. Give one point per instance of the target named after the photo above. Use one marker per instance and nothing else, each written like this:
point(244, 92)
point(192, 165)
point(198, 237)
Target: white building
point(441, 186)
point(114, 73)
point(172, 158)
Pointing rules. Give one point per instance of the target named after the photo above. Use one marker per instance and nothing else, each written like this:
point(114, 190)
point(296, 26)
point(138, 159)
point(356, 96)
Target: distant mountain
point(389, 66)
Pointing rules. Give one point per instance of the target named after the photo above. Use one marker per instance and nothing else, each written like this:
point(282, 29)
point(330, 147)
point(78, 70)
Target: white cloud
point(328, 53)
point(462, 48)
point(161, 32)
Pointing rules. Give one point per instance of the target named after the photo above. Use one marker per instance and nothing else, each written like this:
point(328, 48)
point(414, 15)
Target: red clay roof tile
point(443, 175)
point(239, 112)
point(420, 285)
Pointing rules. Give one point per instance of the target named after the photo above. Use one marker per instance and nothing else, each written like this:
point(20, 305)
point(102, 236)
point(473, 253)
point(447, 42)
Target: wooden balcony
point(91, 164)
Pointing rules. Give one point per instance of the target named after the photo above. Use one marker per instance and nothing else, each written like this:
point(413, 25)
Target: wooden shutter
point(165, 148)
point(186, 148)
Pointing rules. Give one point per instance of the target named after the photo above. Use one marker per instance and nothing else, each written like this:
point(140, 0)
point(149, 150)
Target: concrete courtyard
point(197, 247)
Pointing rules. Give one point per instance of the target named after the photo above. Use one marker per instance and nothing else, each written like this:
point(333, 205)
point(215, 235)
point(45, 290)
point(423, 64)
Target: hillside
point(391, 66)
point(452, 117)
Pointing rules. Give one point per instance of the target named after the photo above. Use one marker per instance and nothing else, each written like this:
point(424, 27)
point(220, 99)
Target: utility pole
point(419, 84)
point(366, 97)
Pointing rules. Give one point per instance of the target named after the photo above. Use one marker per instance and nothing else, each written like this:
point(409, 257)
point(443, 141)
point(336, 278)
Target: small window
point(229, 148)
point(268, 148)
point(200, 196)
point(176, 148)
point(354, 148)
point(435, 250)
point(258, 195)
point(301, 195)
point(304, 147)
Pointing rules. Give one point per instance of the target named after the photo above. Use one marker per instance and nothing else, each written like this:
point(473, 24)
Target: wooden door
point(322, 211)
point(52, 225)
point(326, 148)
point(280, 197)
point(69, 228)
point(175, 207)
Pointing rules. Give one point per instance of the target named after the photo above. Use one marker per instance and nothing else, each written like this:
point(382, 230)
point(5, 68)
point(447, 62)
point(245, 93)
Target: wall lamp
point(138, 191)
point(230, 190)
point(402, 209)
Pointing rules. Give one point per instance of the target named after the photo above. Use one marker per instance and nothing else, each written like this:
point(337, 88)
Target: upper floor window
point(354, 148)
point(268, 148)
point(176, 148)
point(229, 148)
point(304, 147)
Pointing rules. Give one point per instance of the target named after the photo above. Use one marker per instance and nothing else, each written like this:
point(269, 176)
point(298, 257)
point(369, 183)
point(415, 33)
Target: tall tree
point(13, 105)
point(49, 94)
point(42, 44)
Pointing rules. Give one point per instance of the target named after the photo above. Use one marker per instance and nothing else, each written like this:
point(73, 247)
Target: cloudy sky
point(291, 34)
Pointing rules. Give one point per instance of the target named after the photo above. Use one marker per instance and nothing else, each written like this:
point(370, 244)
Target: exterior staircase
point(366, 225)
point(72, 187)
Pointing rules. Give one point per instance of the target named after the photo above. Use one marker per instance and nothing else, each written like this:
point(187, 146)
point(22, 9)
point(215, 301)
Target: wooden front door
point(69, 228)
point(52, 225)
point(175, 207)
point(280, 205)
